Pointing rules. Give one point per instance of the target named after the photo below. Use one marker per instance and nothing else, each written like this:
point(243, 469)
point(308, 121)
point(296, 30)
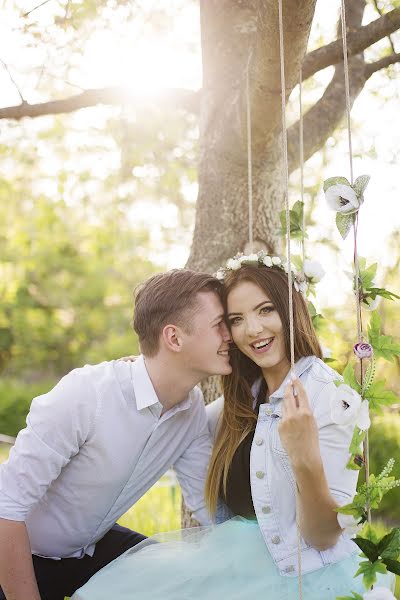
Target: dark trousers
point(59, 578)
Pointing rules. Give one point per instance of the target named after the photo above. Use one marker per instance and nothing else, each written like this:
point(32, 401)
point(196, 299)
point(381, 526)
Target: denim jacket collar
point(275, 400)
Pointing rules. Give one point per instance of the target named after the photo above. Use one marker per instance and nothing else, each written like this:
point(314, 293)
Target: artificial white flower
point(243, 258)
point(267, 260)
point(313, 270)
point(300, 285)
point(233, 264)
point(370, 304)
point(363, 420)
point(349, 525)
point(276, 260)
point(342, 198)
point(252, 258)
point(379, 593)
point(345, 405)
point(326, 352)
point(220, 275)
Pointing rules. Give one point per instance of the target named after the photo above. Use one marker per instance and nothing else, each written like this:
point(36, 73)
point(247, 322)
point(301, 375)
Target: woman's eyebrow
point(255, 308)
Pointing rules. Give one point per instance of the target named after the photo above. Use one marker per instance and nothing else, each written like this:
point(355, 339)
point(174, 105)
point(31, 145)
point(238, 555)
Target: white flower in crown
point(233, 264)
point(313, 270)
point(342, 198)
point(349, 525)
point(220, 274)
point(379, 593)
point(267, 260)
point(276, 261)
point(347, 408)
point(251, 258)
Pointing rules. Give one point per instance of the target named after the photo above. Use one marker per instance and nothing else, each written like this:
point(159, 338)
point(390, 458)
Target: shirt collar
point(145, 393)
point(302, 365)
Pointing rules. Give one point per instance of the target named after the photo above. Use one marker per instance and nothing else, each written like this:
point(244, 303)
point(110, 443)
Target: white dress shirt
point(92, 447)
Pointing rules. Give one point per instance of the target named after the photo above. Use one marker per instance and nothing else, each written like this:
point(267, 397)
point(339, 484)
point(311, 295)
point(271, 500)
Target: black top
point(238, 491)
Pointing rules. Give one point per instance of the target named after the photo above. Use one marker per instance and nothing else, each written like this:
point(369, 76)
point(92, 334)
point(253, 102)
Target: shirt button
point(260, 474)
point(276, 539)
point(268, 411)
point(266, 510)
point(259, 441)
point(289, 569)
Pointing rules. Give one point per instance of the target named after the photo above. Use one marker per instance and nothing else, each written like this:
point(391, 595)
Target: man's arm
point(17, 577)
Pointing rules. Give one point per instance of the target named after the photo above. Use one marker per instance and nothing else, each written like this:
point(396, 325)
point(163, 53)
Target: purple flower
point(363, 350)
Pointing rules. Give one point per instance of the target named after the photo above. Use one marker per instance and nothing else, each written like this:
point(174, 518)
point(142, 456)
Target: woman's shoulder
point(214, 411)
point(320, 372)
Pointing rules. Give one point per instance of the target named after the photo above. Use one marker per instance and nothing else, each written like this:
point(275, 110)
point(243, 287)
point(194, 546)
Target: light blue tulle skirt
point(226, 562)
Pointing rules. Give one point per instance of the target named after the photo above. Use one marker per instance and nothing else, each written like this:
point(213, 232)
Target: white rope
point(301, 146)
point(288, 252)
point(356, 263)
point(249, 160)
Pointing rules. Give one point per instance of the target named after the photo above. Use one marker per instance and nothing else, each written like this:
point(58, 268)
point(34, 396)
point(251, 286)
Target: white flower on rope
point(342, 198)
point(349, 525)
point(379, 593)
point(313, 271)
point(347, 408)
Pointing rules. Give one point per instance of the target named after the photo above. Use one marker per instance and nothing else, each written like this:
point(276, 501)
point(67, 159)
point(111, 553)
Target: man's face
point(206, 347)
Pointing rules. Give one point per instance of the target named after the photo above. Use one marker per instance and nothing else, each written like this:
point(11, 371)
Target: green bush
point(15, 400)
point(384, 442)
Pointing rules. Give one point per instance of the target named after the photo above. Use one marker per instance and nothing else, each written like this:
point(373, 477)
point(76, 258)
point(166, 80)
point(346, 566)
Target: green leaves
point(354, 596)
point(366, 287)
point(383, 345)
point(344, 223)
point(334, 181)
point(360, 184)
point(370, 570)
point(382, 556)
point(377, 396)
point(296, 215)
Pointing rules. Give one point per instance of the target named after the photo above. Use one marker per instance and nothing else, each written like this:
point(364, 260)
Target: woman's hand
point(130, 358)
point(298, 429)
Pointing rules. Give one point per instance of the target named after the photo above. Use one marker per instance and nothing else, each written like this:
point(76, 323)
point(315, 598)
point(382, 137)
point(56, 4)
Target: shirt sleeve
point(58, 424)
point(334, 443)
point(191, 467)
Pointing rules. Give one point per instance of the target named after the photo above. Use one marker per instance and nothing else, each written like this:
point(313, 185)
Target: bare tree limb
point(380, 12)
point(13, 80)
point(372, 68)
point(176, 98)
point(357, 41)
point(35, 8)
point(325, 116)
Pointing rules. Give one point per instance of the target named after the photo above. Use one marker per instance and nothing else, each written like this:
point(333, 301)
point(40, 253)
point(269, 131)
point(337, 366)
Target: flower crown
point(312, 272)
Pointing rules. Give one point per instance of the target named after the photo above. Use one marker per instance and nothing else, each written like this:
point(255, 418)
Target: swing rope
point(288, 251)
point(360, 334)
point(249, 157)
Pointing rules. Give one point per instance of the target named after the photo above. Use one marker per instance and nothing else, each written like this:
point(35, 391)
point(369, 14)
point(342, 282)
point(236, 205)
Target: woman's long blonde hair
point(238, 418)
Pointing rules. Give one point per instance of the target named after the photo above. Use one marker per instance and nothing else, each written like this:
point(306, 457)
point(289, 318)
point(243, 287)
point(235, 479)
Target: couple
point(98, 441)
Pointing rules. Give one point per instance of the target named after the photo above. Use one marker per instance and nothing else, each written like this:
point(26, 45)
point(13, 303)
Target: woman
point(277, 454)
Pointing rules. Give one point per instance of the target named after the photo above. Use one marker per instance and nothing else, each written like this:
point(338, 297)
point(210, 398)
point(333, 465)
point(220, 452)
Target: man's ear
point(172, 337)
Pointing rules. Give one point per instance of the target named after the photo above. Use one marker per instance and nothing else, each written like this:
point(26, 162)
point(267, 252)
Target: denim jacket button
point(276, 539)
point(269, 411)
point(289, 569)
point(260, 474)
point(259, 441)
point(266, 510)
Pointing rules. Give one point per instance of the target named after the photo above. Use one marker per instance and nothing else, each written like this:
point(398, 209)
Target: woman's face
point(256, 327)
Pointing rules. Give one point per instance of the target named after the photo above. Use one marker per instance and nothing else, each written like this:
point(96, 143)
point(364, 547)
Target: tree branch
point(176, 98)
point(357, 41)
point(325, 116)
point(12, 80)
point(372, 68)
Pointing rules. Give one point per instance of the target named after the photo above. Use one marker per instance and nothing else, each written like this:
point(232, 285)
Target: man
point(104, 435)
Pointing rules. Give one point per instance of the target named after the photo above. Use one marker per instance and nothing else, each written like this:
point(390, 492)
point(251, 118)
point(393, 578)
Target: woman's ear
point(172, 338)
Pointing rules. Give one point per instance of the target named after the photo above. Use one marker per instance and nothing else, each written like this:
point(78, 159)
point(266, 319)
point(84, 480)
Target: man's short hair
point(169, 297)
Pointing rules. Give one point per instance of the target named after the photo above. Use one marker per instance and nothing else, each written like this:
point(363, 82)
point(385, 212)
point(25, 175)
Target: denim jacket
point(272, 480)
